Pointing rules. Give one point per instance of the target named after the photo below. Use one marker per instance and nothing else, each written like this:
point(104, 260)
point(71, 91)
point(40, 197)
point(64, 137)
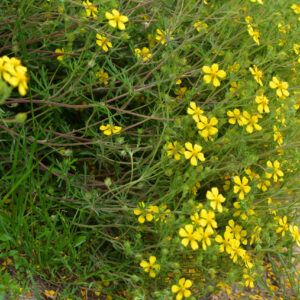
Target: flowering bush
point(160, 155)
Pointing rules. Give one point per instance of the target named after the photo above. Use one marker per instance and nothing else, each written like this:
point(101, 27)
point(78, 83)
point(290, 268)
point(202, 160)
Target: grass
point(81, 210)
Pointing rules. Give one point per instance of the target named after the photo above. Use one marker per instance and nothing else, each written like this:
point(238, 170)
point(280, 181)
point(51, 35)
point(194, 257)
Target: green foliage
point(98, 166)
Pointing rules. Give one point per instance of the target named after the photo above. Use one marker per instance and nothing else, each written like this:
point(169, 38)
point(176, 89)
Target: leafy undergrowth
point(149, 149)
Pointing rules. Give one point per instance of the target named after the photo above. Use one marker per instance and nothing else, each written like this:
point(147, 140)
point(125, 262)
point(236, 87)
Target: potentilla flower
point(258, 1)
point(90, 9)
point(189, 236)
point(254, 33)
point(280, 86)
point(109, 130)
point(205, 236)
point(208, 219)
point(251, 122)
point(274, 167)
point(294, 230)
point(225, 244)
point(200, 26)
point(236, 230)
point(163, 35)
point(4, 63)
point(116, 19)
point(193, 153)
point(182, 289)
point(257, 74)
point(150, 267)
point(236, 116)
point(235, 250)
point(249, 280)
point(264, 184)
point(144, 54)
point(251, 174)
point(143, 213)
point(180, 92)
point(18, 78)
point(213, 74)
point(206, 127)
point(195, 111)
point(216, 199)
point(175, 149)
point(263, 102)
point(195, 219)
point(241, 186)
point(284, 28)
point(60, 51)
point(278, 137)
point(103, 42)
point(296, 8)
point(102, 76)
point(283, 226)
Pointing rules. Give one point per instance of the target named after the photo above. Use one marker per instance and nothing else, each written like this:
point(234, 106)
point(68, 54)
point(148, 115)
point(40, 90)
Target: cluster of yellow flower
point(109, 130)
point(151, 212)
point(13, 72)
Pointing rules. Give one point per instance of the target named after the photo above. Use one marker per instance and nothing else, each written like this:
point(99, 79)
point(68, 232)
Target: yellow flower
point(236, 231)
point(208, 219)
point(216, 199)
point(283, 28)
point(18, 78)
point(193, 153)
point(294, 230)
point(150, 267)
point(175, 149)
point(5, 62)
point(276, 172)
point(60, 51)
point(144, 54)
point(251, 122)
point(258, 1)
point(296, 8)
point(182, 290)
point(248, 19)
point(278, 137)
point(263, 185)
point(206, 127)
point(251, 174)
point(195, 111)
point(103, 42)
point(213, 74)
point(103, 76)
point(163, 35)
point(180, 92)
point(109, 130)
point(263, 102)
point(163, 213)
point(116, 19)
point(235, 250)
point(236, 116)
point(284, 225)
point(280, 86)
point(205, 236)
point(249, 281)
point(143, 213)
point(189, 236)
point(257, 74)
point(90, 9)
point(200, 26)
point(255, 235)
point(225, 242)
point(234, 87)
point(241, 186)
point(254, 33)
